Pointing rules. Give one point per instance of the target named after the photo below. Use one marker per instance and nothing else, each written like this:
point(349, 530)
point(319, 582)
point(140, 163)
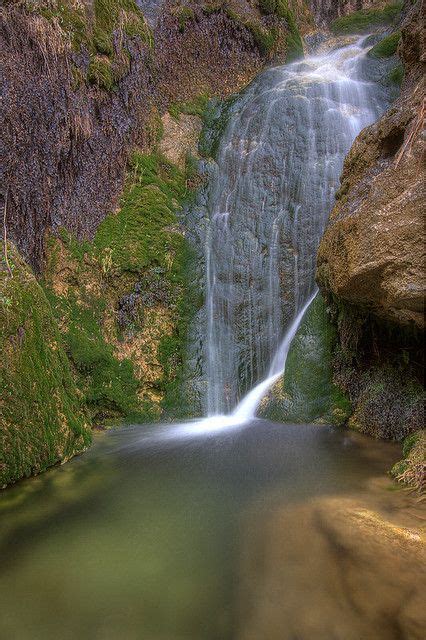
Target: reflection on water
point(178, 538)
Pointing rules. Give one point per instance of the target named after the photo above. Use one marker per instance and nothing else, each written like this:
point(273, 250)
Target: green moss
point(72, 19)
point(412, 469)
point(108, 14)
point(268, 7)
point(265, 39)
point(396, 76)
point(361, 21)
point(409, 443)
point(196, 107)
point(184, 15)
point(109, 385)
point(216, 118)
point(143, 244)
point(281, 9)
point(173, 349)
point(307, 392)
point(42, 417)
point(386, 47)
point(95, 32)
point(100, 73)
point(141, 234)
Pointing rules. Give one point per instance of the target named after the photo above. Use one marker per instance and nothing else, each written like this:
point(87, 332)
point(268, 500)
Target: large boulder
point(372, 253)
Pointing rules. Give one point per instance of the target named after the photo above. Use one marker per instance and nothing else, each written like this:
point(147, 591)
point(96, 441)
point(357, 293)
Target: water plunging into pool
point(231, 528)
point(279, 164)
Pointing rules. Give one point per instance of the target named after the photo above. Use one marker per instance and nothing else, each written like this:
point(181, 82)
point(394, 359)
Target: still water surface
point(143, 536)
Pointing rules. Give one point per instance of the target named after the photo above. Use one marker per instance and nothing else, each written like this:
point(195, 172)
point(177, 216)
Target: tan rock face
point(180, 137)
point(372, 253)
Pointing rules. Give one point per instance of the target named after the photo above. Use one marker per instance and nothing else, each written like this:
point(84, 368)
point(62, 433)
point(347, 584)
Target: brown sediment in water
point(336, 567)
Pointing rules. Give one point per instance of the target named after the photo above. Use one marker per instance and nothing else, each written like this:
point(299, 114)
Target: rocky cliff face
point(73, 106)
point(81, 89)
point(371, 258)
point(377, 221)
point(102, 112)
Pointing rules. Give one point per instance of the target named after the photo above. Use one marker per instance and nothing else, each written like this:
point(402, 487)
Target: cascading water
point(279, 164)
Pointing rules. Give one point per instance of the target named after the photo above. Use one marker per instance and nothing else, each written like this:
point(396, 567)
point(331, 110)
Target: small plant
point(195, 107)
point(184, 15)
point(100, 73)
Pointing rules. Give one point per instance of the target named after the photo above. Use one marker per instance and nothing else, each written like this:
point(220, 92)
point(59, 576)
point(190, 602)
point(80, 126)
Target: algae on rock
point(43, 421)
point(306, 393)
point(123, 300)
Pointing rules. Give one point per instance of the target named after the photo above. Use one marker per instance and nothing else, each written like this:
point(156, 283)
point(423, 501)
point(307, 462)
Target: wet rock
point(354, 573)
point(325, 11)
point(372, 253)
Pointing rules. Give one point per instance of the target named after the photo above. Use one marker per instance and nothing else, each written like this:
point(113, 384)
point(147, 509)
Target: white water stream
point(279, 164)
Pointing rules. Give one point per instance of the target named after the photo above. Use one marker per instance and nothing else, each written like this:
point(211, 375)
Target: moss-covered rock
point(307, 393)
point(94, 29)
point(411, 470)
point(123, 300)
point(42, 420)
point(386, 47)
point(364, 20)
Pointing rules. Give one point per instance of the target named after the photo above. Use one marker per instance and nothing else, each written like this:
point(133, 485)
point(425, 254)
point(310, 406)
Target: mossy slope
point(123, 300)
point(42, 418)
point(102, 31)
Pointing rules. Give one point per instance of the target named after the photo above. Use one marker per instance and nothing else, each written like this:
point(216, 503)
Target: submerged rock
point(354, 573)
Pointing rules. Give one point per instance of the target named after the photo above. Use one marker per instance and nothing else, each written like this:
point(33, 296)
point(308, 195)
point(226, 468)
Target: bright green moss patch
point(362, 21)
point(100, 73)
point(265, 39)
point(307, 393)
point(109, 386)
point(142, 233)
point(386, 47)
point(111, 15)
point(42, 418)
point(126, 301)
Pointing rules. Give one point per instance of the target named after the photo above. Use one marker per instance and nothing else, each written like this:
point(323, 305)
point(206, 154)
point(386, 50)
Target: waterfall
point(279, 164)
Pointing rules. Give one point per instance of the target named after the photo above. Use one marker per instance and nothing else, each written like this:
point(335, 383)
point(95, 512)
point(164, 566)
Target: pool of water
point(148, 536)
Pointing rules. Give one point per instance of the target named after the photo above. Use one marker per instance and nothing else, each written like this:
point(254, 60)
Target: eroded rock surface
point(372, 253)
